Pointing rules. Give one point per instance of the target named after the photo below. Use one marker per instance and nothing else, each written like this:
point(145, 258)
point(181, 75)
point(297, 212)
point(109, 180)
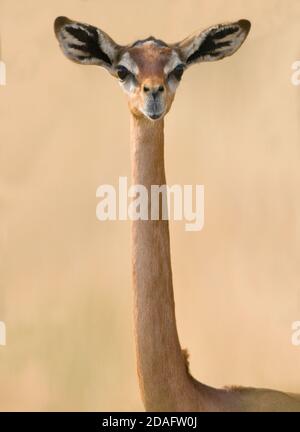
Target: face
point(148, 71)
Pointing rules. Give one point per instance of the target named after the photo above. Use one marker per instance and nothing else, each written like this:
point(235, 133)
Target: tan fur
point(151, 61)
point(163, 367)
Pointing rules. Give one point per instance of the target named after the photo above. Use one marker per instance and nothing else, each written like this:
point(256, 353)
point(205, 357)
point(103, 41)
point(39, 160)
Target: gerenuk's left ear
point(85, 44)
point(214, 43)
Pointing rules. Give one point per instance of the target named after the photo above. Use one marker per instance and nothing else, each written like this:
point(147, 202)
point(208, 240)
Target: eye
point(122, 72)
point(178, 72)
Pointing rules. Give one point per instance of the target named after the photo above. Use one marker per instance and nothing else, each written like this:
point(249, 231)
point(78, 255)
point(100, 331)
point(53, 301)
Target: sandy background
point(65, 292)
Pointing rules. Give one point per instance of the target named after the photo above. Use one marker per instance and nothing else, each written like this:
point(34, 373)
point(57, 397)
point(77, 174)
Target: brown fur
point(163, 367)
point(151, 60)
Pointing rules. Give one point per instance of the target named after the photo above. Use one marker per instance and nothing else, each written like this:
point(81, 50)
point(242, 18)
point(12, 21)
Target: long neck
point(161, 363)
point(162, 369)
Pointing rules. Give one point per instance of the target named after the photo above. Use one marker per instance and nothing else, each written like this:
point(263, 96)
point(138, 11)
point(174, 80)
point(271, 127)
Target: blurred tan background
point(65, 292)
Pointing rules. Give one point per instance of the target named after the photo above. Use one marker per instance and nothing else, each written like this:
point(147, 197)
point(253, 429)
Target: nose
point(153, 91)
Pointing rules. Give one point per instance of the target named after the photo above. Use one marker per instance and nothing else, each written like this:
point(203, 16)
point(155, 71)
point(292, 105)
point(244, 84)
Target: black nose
point(154, 91)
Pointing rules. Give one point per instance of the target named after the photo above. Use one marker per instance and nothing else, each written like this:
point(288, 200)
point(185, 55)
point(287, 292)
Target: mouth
point(154, 116)
point(154, 109)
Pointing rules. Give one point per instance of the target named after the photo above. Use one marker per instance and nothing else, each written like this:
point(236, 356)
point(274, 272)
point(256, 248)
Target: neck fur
point(162, 366)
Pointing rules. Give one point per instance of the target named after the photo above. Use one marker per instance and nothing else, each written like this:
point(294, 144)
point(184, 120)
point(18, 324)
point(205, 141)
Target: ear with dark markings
point(214, 43)
point(85, 44)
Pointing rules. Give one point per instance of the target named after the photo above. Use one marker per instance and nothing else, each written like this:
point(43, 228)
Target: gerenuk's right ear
point(85, 44)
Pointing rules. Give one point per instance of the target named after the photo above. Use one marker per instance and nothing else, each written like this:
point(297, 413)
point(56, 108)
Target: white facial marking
point(172, 63)
point(127, 61)
point(170, 66)
point(173, 84)
point(128, 85)
point(149, 42)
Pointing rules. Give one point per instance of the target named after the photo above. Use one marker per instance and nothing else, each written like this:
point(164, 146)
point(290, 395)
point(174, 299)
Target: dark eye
point(178, 72)
point(122, 72)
